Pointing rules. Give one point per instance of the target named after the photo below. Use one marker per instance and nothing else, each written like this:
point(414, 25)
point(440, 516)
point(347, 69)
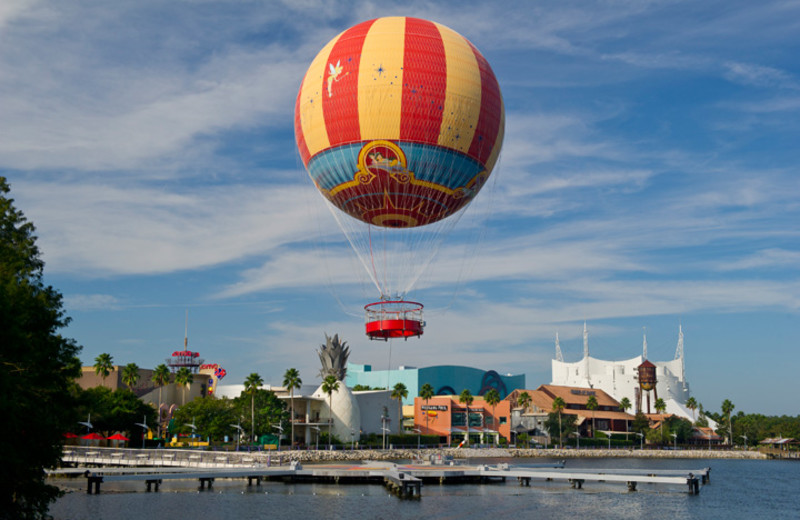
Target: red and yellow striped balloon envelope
point(399, 121)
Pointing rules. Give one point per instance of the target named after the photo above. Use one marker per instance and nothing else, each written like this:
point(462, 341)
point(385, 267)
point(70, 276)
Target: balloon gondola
point(399, 123)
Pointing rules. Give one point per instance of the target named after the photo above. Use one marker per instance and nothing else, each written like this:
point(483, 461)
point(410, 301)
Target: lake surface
point(738, 489)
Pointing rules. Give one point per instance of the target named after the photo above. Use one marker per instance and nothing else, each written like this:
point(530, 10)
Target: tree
point(269, 409)
point(130, 375)
point(292, 381)
point(492, 398)
point(661, 407)
point(400, 392)
point(691, 404)
point(103, 366)
point(524, 401)
point(184, 378)
point(591, 404)
point(160, 378)
point(212, 417)
point(251, 384)
point(112, 411)
point(558, 407)
point(330, 385)
point(625, 404)
point(426, 392)
point(727, 409)
point(466, 399)
point(38, 367)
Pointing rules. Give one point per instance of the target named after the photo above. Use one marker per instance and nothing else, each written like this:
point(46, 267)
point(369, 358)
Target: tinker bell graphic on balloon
point(334, 74)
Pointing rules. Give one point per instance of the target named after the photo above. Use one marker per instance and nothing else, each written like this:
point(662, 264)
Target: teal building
point(445, 379)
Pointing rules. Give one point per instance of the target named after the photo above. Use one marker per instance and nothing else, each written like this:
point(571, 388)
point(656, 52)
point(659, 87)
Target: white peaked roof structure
point(620, 378)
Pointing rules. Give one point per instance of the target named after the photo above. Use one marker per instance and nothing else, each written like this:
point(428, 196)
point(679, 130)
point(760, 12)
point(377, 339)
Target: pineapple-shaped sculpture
point(333, 355)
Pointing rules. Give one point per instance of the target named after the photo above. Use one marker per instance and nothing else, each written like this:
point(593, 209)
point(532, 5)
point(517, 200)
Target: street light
point(745, 441)
point(146, 429)
point(87, 423)
point(278, 426)
point(674, 441)
point(352, 439)
point(385, 431)
point(641, 440)
point(239, 431)
point(578, 438)
point(419, 434)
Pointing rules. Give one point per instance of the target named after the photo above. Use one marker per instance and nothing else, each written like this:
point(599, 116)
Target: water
point(738, 489)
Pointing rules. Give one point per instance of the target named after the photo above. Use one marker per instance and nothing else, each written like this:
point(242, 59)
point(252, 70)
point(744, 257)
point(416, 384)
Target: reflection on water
point(738, 489)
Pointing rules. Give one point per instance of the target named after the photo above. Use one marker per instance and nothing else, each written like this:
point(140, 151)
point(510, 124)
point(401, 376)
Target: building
point(445, 379)
point(608, 418)
point(619, 379)
point(445, 416)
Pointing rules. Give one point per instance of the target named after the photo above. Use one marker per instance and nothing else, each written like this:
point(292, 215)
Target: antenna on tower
point(186, 332)
point(644, 343)
point(559, 355)
point(679, 355)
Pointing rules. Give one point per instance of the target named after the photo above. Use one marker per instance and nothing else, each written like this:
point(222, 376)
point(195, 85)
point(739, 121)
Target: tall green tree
point(625, 404)
point(661, 407)
point(592, 405)
point(691, 404)
point(160, 378)
point(400, 392)
point(292, 382)
point(466, 399)
point(130, 375)
point(38, 367)
point(727, 410)
point(251, 386)
point(558, 407)
point(330, 385)
point(524, 401)
point(425, 393)
point(103, 366)
point(492, 398)
point(184, 378)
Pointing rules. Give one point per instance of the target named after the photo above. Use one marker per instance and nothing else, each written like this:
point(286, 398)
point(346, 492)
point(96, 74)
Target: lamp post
point(419, 434)
point(385, 431)
point(279, 427)
point(674, 441)
point(239, 431)
point(641, 440)
point(145, 429)
point(352, 439)
point(578, 439)
point(744, 447)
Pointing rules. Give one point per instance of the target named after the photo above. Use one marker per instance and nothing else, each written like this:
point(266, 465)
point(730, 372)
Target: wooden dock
point(405, 480)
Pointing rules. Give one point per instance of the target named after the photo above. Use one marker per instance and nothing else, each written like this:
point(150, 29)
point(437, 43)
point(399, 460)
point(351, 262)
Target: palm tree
point(592, 405)
point(130, 375)
point(426, 392)
point(625, 404)
point(160, 378)
point(466, 399)
point(184, 378)
point(727, 410)
point(292, 381)
point(251, 386)
point(330, 385)
point(524, 401)
point(558, 407)
point(692, 405)
point(400, 392)
point(492, 398)
point(661, 406)
point(103, 366)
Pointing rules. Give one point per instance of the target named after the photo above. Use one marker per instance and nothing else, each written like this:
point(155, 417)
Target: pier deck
point(404, 479)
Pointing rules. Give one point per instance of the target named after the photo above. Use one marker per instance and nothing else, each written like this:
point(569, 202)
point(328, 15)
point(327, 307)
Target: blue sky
point(648, 179)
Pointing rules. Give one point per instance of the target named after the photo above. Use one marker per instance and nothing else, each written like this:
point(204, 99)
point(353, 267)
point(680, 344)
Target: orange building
point(445, 416)
point(608, 417)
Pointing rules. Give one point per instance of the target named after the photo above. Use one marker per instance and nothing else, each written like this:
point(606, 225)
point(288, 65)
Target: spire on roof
point(559, 355)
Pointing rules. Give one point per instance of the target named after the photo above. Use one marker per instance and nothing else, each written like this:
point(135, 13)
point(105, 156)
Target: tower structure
point(647, 384)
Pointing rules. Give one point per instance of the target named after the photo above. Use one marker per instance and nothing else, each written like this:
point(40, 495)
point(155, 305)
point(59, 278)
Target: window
point(503, 420)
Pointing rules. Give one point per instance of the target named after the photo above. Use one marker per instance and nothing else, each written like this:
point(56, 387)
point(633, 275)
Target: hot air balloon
point(399, 122)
